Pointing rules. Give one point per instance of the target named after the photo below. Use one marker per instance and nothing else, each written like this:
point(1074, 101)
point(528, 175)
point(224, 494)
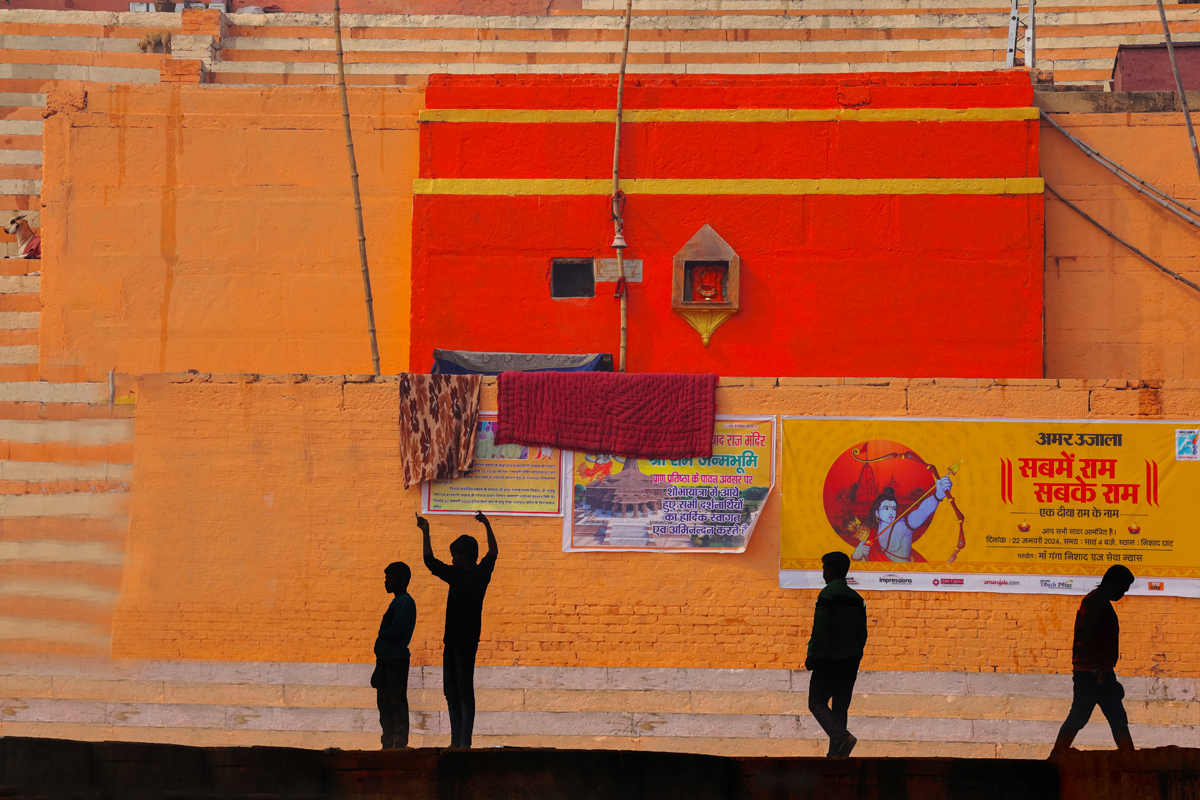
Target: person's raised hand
point(481, 517)
point(423, 524)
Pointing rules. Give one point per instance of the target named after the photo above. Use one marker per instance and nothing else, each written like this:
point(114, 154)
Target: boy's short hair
point(836, 562)
point(398, 569)
point(466, 545)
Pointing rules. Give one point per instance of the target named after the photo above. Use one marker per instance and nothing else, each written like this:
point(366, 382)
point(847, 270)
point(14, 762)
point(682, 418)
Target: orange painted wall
point(1108, 312)
point(213, 229)
point(264, 513)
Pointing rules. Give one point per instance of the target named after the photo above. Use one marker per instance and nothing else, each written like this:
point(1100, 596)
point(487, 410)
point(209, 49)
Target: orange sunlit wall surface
point(886, 224)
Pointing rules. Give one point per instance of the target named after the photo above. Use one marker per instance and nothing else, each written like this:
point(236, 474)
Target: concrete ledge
point(49, 767)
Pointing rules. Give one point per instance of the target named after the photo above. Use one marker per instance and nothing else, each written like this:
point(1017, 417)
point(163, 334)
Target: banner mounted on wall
point(505, 480)
point(706, 505)
point(1039, 506)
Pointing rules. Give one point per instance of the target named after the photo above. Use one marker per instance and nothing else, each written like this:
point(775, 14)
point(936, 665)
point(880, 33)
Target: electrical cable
point(1085, 215)
point(1129, 178)
point(618, 197)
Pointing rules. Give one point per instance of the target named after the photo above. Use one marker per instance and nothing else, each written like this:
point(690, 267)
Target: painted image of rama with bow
point(881, 496)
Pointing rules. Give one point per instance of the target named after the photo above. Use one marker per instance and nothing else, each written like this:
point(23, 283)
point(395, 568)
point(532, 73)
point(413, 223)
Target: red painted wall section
point(882, 283)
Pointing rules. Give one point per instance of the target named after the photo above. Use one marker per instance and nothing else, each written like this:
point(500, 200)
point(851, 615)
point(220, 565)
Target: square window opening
point(572, 277)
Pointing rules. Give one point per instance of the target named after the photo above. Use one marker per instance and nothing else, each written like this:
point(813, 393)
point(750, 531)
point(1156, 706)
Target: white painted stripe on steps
point(29, 157)
point(26, 99)
point(52, 471)
point(616, 725)
point(45, 392)
point(21, 320)
point(65, 504)
point(54, 551)
point(72, 17)
point(84, 44)
point(20, 127)
point(79, 431)
point(51, 630)
point(805, 6)
point(32, 215)
point(950, 16)
point(20, 186)
point(50, 591)
point(19, 284)
point(72, 72)
point(781, 45)
point(14, 354)
point(621, 679)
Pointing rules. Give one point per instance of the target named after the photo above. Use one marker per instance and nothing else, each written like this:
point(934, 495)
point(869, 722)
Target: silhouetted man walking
point(1093, 660)
point(835, 649)
point(390, 678)
point(468, 583)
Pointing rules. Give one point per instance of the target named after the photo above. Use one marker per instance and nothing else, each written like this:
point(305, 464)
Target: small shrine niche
point(705, 282)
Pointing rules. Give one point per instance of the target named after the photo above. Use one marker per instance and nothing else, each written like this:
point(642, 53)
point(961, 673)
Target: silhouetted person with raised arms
point(468, 583)
point(835, 649)
point(390, 678)
point(1093, 658)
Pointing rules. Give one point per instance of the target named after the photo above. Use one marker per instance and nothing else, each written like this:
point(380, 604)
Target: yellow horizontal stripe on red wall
point(727, 186)
point(535, 116)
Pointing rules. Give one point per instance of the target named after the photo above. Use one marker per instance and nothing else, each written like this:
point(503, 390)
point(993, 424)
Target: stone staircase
point(38, 49)
point(759, 712)
point(20, 161)
point(65, 467)
point(1076, 42)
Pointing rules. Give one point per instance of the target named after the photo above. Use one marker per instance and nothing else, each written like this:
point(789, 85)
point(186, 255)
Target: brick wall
point(201, 229)
point(266, 508)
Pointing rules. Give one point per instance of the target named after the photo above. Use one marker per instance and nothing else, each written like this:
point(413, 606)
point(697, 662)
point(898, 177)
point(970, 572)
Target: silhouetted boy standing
point(1094, 656)
point(468, 584)
point(835, 649)
point(390, 678)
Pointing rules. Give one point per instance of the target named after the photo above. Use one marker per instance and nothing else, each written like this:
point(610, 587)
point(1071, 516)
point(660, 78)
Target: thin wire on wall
point(1085, 215)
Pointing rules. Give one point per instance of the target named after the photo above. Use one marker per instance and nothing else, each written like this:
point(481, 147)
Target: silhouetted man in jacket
point(1094, 657)
point(390, 678)
point(468, 583)
point(835, 649)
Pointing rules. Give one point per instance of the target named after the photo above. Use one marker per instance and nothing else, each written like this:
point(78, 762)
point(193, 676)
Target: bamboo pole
point(358, 214)
point(1187, 115)
point(618, 223)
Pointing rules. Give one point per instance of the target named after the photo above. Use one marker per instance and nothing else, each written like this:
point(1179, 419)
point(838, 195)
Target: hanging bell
point(619, 241)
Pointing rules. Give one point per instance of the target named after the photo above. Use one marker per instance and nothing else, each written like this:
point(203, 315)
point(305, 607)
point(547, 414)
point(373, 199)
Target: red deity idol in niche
point(708, 282)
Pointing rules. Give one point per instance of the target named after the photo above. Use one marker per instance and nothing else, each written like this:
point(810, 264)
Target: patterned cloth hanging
point(439, 415)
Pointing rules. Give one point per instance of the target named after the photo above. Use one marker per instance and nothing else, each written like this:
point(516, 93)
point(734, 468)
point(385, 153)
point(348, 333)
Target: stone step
point(741, 710)
point(42, 471)
point(20, 373)
point(36, 99)
point(23, 158)
point(11, 337)
point(77, 72)
point(45, 392)
point(16, 284)
point(21, 320)
point(615, 721)
point(28, 127)
point(18, 354)
point(76, 432)
point(11, 265)
point(20, 186)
